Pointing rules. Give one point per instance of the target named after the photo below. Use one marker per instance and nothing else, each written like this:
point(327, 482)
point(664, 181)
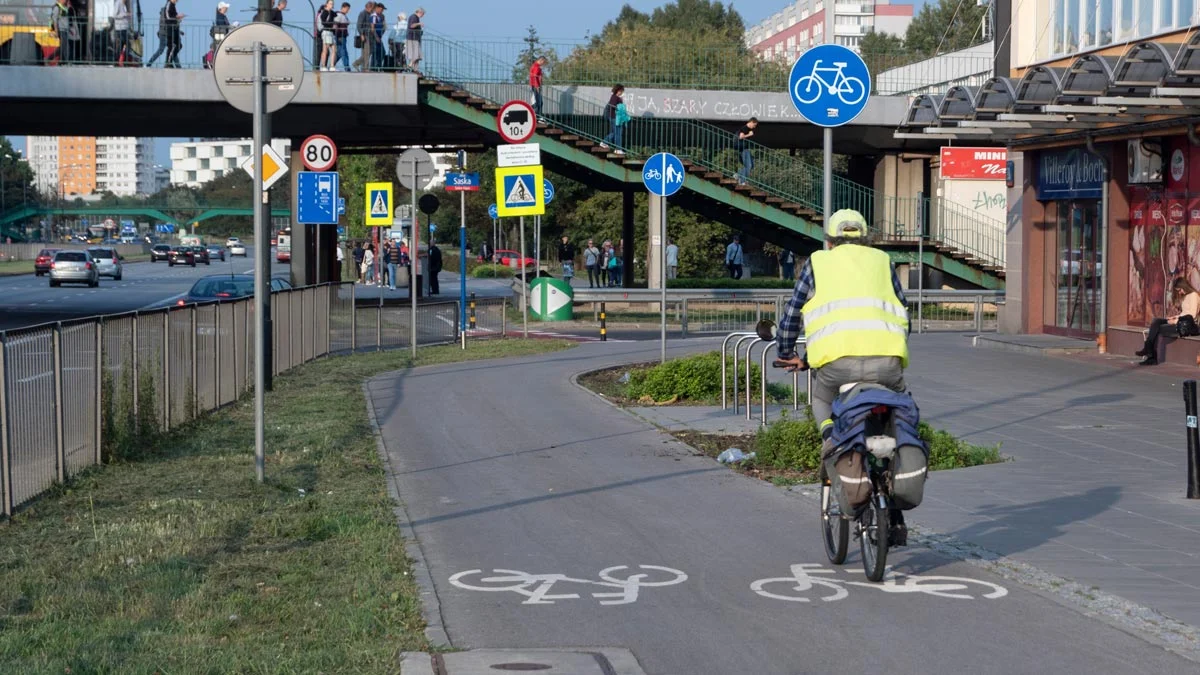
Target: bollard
point(603, 324)
point(471, 316)
point(1193, 439)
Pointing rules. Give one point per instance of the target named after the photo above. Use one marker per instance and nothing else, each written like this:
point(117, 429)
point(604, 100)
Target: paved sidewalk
point(545, 518)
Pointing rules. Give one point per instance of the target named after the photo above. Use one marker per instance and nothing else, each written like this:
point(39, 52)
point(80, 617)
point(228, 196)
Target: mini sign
point(974, 163)
point(462, 182)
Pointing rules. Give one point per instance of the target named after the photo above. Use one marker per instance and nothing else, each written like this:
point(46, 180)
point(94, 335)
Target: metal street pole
point(413, 252)
point(462, 266)
point(524, 286)
point(262, 284)
point(827, 151)
point(662, 267)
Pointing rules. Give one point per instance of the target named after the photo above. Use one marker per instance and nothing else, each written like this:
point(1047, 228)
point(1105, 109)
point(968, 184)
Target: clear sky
point(554, 19)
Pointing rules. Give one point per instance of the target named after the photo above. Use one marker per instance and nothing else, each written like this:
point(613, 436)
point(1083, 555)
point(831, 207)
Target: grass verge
point(179, 562)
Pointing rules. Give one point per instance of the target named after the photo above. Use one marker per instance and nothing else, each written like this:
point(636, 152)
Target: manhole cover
point(521, 666)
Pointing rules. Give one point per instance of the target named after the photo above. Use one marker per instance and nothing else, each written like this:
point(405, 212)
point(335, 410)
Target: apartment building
point(194, 163)
point(84, 165)
point(795, 28)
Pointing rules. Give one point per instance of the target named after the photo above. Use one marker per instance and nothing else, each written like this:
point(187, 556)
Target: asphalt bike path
point(545, 517)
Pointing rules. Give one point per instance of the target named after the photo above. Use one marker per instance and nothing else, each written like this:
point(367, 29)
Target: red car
point(41, 265)
point(510, 258)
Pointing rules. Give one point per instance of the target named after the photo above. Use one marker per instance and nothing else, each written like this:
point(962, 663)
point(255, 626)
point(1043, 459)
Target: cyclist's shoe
point(898, 531)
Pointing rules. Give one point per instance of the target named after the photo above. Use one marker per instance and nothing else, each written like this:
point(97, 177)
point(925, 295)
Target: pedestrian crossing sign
point(378, 209)
point(519, 191)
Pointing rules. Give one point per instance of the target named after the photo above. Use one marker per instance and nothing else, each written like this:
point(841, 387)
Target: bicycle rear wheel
point(873, 539)
point(835, 529)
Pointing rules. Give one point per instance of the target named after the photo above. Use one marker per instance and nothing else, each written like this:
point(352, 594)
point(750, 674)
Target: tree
point(945, 26)
point(536, 49)
point(16, 177)
point(882, 51)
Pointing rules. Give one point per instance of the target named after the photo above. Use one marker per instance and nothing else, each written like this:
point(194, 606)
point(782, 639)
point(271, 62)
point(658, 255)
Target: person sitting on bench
point(1170, 327)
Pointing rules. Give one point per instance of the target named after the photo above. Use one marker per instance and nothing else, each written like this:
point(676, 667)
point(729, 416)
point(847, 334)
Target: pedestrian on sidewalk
point(1189, 306)
point(368, 265)
point(385, 260)
point(616, 104)
point(435, 267)
point(535, 83)
point(121, 30)
point(162, 37)
point(362, 40)
point(787, 263)
point(606, 262)
point(396, 39)
point(358, 254)
point(591, 260)
point(394, 259)
point(412, 46)
point(566, 256)
point(672, 260)
point(378, 31)
point(341, 33)
point(277, 13)
point(743, 146)
point(734, 258)
point(337, 269)
point(174, 34)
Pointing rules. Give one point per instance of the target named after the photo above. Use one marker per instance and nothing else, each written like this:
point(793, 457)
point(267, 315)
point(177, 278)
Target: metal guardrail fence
point(729, 310)
point(73, 391)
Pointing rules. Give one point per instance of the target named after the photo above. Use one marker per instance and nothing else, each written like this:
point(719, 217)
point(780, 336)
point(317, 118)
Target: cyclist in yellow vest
point(849, 304)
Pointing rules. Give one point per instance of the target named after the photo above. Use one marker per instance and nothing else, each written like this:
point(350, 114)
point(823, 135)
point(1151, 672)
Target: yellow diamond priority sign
point(274, 167)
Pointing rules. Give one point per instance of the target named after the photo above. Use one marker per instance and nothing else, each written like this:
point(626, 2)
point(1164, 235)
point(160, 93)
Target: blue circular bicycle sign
point(829, 85)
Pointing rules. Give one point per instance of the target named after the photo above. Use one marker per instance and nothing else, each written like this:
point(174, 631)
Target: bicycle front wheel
point(852, 91)
point(873, 540)
point(835, 530)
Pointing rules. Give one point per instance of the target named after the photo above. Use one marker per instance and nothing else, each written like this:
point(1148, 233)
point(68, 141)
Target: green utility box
point(551, 299)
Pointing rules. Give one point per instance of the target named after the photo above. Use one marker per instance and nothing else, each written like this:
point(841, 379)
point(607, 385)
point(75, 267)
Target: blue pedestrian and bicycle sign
point(317, 197)
point(492, 213)
point(663, 174)
point(829, 85)
point(548, 189)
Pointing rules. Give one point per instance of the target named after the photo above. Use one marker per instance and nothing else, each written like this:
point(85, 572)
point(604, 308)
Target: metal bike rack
point(749, 361)
point(762, 365)
point(724, 383)
point(737, 346)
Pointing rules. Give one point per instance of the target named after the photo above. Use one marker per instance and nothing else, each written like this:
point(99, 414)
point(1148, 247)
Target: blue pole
point(462, 263)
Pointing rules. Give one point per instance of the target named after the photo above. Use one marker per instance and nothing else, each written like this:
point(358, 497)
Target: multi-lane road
point(27, 300)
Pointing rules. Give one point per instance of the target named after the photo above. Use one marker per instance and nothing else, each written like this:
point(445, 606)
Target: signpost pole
point(827, 203)
point(262, 280)
point(462, 266)
point(413, 252)
point(662, 272)
point(524, 286)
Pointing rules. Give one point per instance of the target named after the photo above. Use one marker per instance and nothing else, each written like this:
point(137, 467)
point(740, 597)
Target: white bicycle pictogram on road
point(801, 581)
point(849, 90)
point(537, 587)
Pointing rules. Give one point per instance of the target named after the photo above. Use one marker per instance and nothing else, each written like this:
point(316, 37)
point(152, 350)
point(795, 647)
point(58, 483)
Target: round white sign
point(318, 153)
point(1178, 165)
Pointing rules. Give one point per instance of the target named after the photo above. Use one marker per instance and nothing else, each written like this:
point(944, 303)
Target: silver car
point(73, 267)
point(108, 262)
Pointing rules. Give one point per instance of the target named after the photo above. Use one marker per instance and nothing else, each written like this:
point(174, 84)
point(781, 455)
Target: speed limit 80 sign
point(318, 153)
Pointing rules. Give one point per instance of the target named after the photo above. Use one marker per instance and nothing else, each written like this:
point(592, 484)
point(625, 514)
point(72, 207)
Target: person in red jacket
point(535, 83)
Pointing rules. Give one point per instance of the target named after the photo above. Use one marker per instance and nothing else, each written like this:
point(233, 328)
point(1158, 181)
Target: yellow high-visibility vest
point(854, 310)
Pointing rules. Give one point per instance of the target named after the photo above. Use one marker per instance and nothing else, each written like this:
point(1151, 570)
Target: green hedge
point(726, 282)
point(696, 379)
point(796, 444)
point(492, 272)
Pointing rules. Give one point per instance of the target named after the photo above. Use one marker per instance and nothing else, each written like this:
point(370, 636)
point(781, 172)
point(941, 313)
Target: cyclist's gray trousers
point(885, 370)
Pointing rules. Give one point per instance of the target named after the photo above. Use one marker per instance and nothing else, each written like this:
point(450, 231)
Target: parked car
point(216, 251)
point(510, 258)
point(232, 241)
point(223, 287)
point(108, 262)
point(202, 255)
point(41, 264)
point(237, 249)
point(182, 255)
point(160, 252)
point(73, 267)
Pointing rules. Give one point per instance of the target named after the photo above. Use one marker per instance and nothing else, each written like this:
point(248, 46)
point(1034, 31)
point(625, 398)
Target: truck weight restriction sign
point(516, 122)
point(318, 153)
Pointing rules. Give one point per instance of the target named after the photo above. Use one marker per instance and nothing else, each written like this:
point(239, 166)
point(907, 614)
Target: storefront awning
point(1096, 95)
